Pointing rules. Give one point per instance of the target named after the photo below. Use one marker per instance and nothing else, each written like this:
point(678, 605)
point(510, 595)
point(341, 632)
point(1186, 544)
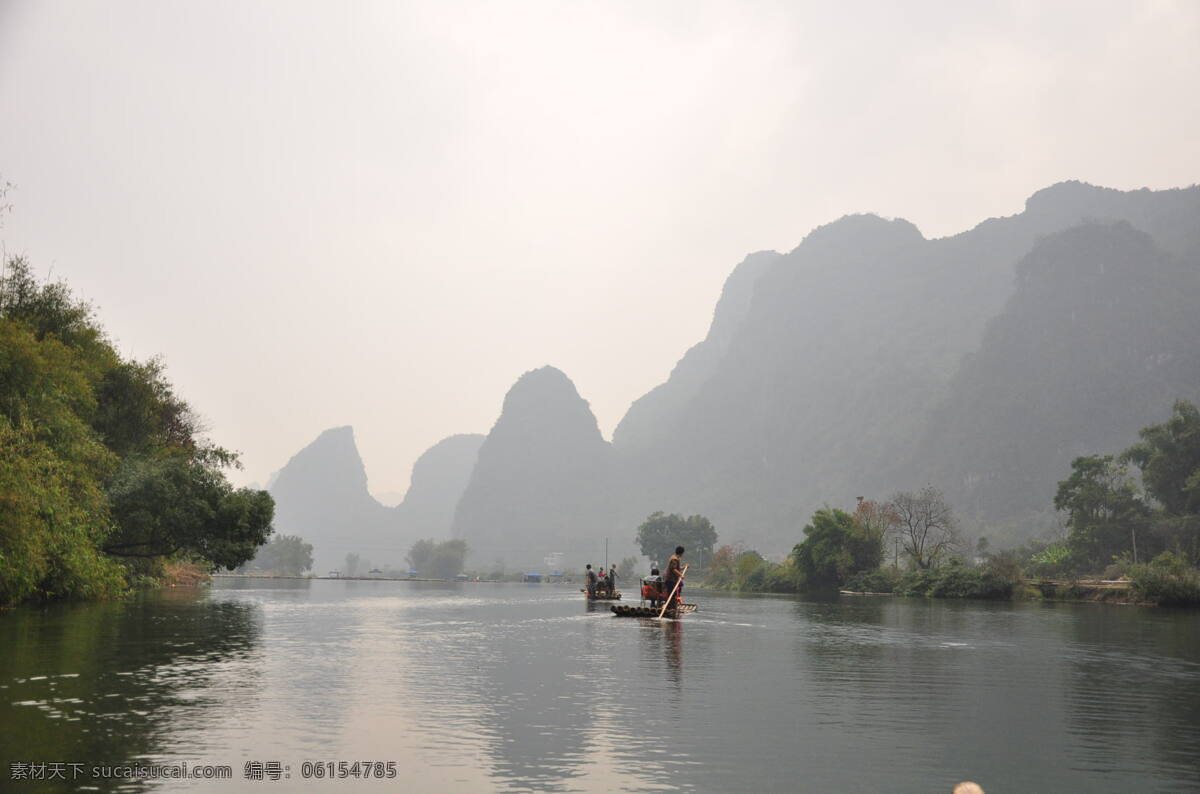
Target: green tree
point(53, 511)
point(721, 569)
point(660, 533)
point(52, 518)
point(835, 547)
point(287, 555)
point(1169, 458)
point(1105, 513)
point(168, 505)
point(113, 459)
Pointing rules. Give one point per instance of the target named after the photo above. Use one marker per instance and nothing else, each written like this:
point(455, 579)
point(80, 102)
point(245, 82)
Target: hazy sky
point(382, 213)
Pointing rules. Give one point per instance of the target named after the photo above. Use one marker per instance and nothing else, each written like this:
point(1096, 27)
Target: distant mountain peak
point(865, 232)
point(1070, 192)
point(547, 396)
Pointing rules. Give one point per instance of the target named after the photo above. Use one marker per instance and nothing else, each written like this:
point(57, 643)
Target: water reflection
point(107, 683)
point(491, 687)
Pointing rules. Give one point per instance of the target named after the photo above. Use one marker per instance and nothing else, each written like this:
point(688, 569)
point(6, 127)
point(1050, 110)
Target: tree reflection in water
point(107, 683)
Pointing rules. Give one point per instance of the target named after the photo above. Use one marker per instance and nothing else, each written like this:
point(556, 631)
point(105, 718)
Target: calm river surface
point(503, 687)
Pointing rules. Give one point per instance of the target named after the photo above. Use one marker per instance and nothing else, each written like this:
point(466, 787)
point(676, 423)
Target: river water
point(506, 687)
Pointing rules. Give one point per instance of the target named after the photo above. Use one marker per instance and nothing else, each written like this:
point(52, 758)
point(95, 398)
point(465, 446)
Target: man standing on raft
point(674, 573)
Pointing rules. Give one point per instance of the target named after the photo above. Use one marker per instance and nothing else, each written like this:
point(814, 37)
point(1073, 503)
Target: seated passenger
point(652, 588)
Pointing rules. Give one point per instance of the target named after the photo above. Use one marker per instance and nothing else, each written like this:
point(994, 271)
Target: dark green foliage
point(166, 505)
point(1105, 512)
point(881, 580)
point(139, 412)
point(836, 546)
point(1167, 580)
point(661, 533)
point(747, 571)
point(52, 517)
point(1169, 458)
point(955, 580)
point(100, 459)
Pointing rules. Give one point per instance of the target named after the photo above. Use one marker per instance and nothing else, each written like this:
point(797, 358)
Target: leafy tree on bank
point(836, 546)
point(1169, 459)
point(287, 555)
point(419, 554)
point(874, 523)
point(721, 569)
point(447, 560)
point(167, 504)
point(928, 530)
point(435, 560)
point(1106, 515)
point(106, 473)
point(660, 533)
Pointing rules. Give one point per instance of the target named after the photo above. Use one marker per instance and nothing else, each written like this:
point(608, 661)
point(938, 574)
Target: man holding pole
point(674, 572)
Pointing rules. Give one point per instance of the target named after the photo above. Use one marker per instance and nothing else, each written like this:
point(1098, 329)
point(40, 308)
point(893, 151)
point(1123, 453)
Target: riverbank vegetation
point(105, 474)
point(1133, 533)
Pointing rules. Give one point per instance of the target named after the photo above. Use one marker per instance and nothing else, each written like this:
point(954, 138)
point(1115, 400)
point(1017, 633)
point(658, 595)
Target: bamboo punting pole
point(678, 582)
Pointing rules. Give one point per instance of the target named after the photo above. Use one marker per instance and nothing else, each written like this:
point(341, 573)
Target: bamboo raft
point(616, 596)
point(630, 611)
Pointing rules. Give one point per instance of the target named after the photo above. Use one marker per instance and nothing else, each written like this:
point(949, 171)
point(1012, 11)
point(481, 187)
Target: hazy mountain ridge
point(322, 496)
point(646, 415)
point(543, 480)
point(1098, 340)
point(850, 342)
point(867, 359)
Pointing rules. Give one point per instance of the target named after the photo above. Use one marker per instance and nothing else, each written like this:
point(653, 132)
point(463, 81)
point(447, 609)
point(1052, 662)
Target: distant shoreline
point(346, 578)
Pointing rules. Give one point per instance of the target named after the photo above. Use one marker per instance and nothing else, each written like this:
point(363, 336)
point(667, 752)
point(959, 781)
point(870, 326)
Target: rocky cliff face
point(321, 495)
point(867, 360)
point(1099, 339)
point(439, 478)
point(543, 480)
